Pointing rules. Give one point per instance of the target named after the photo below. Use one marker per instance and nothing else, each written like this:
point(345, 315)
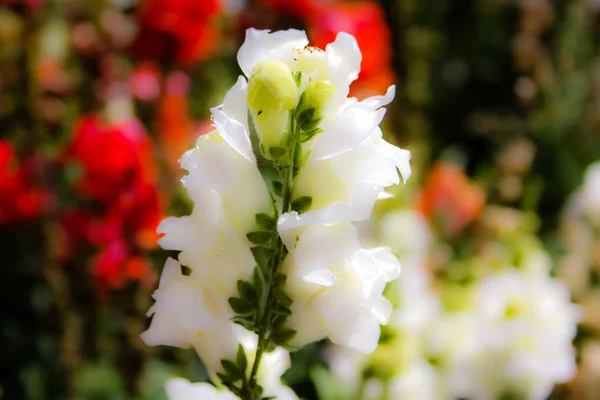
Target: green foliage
point(234, 377)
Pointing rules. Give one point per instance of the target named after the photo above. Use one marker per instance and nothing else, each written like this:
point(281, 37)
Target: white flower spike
point(270, 244)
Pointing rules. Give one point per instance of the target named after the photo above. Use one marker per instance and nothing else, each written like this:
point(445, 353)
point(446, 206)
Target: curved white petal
point(231, 119)
point(346, 132)
point(262, 44)
point(343, 66)
point(214, 164)
point(375, 102)
point(180, 311)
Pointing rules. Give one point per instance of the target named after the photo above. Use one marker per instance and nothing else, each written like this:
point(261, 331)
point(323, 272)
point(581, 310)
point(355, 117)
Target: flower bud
point(272, 92)
point(317, 94)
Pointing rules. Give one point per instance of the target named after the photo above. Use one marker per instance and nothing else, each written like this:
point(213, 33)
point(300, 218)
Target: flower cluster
point(271, 251)
point(112, 165)
point(20, 199)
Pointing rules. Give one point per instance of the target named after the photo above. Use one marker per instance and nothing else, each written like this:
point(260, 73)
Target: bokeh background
point(498, 100)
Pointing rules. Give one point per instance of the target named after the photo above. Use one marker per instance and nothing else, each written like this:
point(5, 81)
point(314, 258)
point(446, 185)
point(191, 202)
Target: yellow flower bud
point(272, 93)
point(317, 94)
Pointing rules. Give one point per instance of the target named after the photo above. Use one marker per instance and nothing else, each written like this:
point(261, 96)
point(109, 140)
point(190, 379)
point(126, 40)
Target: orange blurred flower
point(449, 200)
point(175, 125)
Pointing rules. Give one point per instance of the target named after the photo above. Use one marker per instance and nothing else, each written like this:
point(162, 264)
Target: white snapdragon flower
point(343, 186)
point(524, 329)
point(188, 312)
point(337, 286)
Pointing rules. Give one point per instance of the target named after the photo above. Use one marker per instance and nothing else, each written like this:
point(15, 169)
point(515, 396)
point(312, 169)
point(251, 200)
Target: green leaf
point(241, 306)
point(231, 369)
point(306, 118)
point(298, 78)
point(269, 346)
point(307, 135)
point(243, 321)
point(283, 337)
point(279, 279)
point(227, 379)
point(262, 256)
point(246, 291)
point(302, 204)
point(277, 187)
point(284, 299)
point(277, 152)
point(258, 281)
point(298, 159)
point(259, 237)
point(281, 310)
point(265, 221)
point(240, 358)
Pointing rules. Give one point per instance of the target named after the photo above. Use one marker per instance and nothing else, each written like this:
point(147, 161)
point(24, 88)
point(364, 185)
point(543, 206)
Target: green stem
point(278, 259)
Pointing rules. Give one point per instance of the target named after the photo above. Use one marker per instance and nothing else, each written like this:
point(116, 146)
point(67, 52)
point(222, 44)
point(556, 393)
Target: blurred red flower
point(300, 8)
point(20, 199)
point(113, 158)
point(449, 200)
point(182, 29)
point(118, 171)
point(366, 21)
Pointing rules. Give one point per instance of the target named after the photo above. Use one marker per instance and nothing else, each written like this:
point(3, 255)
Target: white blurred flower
point(524, 329)
point(181, 389)
point(590, 193)
point(419, 382)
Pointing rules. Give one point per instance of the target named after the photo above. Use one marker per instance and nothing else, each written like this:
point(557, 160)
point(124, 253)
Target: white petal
point(319, 245)
point(346, 132)
point(261, 45)
point(234, 132)
point(375, 102)
point(343, 66)
point(400, 157)
point(180, 312)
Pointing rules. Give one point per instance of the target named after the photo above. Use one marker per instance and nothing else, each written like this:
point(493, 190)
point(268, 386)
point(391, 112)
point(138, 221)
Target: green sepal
point(302, 204)
point(284, 336)
point(241, 306)
point(247, 291)
point(265, 221)
point(258, 280)
point(259, 237)
point(277, 188)
point(277, 152)
point(297, 78)
point(284, 299)
point(240, 358)
point(305, 136)
point(232, 370)
point(306, 118)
